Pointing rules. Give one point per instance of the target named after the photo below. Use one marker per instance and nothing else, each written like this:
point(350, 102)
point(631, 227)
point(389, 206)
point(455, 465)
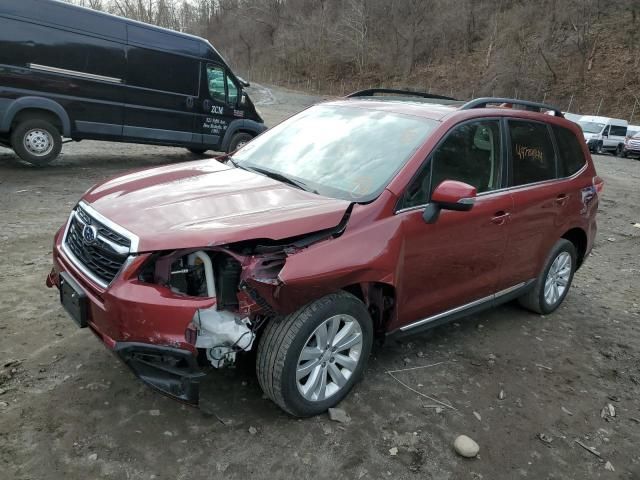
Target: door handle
point(206, 106)
point(189, 103)
point(500, 217)
point(562, 199)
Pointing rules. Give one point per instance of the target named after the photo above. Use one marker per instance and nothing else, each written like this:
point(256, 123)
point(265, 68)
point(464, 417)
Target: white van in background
point(604, 134)
point(632, 130)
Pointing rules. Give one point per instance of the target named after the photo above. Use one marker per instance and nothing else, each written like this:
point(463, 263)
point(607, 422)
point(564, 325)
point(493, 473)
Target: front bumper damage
point(171, 371)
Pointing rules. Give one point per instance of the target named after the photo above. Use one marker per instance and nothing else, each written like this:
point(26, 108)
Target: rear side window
point(618, 131)
point(532, 153)
point(162, 71)
point(571, 157)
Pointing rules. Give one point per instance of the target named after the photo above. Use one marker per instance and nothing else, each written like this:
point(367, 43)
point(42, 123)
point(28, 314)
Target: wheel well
point(578, 237)
point(38, 114)
point(380, 301)
point(242, 130)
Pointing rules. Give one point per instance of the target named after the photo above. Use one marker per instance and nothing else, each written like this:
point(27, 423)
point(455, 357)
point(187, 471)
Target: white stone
point(466, 447)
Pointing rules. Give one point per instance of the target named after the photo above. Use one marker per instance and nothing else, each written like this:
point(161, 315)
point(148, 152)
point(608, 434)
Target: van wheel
point(197, 151)
point(618, 151)
point(553, 283)
point(36, 141)
point(239, 140)
point(308, 361)
point(599, 149)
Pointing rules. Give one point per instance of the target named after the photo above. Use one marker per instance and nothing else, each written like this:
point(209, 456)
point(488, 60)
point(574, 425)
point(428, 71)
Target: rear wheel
point(308, 361)
point(239, 140)
point(553, 283)
point(36, 141)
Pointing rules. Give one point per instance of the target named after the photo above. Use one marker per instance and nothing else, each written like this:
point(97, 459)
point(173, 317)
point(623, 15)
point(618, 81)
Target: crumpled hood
point(206, 203)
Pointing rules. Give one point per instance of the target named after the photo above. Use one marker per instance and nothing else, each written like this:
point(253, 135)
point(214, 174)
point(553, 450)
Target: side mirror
point(449, 195)
point(605, 134)
point(243, 82)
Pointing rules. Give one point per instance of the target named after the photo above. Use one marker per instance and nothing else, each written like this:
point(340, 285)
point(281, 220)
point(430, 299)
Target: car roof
point(439, 109)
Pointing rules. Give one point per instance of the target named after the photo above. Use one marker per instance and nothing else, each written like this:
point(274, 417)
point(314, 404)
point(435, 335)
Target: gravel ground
point(69, 409)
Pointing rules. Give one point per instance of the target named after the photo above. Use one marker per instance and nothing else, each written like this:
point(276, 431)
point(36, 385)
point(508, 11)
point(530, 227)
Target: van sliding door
point(162, 86)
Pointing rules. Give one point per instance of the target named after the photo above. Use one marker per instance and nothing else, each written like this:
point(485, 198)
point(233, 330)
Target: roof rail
point(483, 102)
point(370, 92)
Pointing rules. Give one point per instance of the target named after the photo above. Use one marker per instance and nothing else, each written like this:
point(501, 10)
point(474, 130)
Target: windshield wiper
point(282, 178)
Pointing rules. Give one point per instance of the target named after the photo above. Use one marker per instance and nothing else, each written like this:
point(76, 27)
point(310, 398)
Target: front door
point(218, 105)
point(456, 260)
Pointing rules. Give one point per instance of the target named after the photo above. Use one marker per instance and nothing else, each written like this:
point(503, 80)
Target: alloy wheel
point(329, 358)
point(557, 280)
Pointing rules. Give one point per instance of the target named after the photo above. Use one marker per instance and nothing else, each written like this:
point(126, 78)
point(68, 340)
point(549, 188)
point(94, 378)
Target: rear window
point(532, 153)
point(571, 156)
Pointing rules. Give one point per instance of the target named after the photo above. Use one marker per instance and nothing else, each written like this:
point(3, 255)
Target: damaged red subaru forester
point(383, 213)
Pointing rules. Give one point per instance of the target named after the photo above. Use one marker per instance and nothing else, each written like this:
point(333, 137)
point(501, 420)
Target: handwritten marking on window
point(524, 152)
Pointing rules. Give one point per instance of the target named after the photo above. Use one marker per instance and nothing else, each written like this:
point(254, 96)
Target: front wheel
point(553, 283)
point(239, 140)
point(308, 361)
point(599, 149)
point(36, 141)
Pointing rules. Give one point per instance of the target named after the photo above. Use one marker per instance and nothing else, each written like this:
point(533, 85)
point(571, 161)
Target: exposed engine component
point(222, 334)
point(193, 275)
point(227, 272)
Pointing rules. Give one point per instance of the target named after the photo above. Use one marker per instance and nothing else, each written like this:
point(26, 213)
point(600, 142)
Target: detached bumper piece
point(172, 371)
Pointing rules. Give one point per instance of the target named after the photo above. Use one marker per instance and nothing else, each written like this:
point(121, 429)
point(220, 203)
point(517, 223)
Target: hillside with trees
point(582, 55)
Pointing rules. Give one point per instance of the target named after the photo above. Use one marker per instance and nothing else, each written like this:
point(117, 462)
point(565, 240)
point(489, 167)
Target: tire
point(281, 345)
point(238, 141)
point(618, 152)
point(535, 300)
point(36, 141)
point(197, 151)
point(599, 149)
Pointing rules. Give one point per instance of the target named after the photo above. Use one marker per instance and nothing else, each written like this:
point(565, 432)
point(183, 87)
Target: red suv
point(363, 217)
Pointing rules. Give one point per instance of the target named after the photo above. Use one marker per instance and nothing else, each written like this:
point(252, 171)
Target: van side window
point(470, 153)
point(571, 157)
point(148, 69)
point(215, 81)
point(532, 153)
point(617, 131)
point(233, 91)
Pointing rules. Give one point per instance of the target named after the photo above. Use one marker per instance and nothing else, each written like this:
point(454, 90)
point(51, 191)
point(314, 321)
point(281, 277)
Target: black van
point(67, 71)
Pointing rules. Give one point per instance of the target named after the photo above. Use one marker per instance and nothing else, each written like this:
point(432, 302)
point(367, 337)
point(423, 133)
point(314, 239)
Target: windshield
point(337, 151)
point(591, 127)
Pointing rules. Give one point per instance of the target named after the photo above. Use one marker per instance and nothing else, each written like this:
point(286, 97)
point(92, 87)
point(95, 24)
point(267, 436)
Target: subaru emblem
point(89, 234)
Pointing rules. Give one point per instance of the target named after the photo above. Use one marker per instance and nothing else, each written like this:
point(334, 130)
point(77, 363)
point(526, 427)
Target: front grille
point(105, 255)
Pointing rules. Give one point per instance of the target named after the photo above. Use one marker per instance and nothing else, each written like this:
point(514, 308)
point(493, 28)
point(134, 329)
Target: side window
point(571, 157)
point(618, 131)
point(532, 153)
point(233, 91)
point(470, 153)
point(216, 81)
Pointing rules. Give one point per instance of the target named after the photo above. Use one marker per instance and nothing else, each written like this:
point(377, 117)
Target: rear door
point(457, 259)
point(541, 199)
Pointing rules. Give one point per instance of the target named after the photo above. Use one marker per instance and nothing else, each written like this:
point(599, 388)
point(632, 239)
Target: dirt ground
point(69, 409)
